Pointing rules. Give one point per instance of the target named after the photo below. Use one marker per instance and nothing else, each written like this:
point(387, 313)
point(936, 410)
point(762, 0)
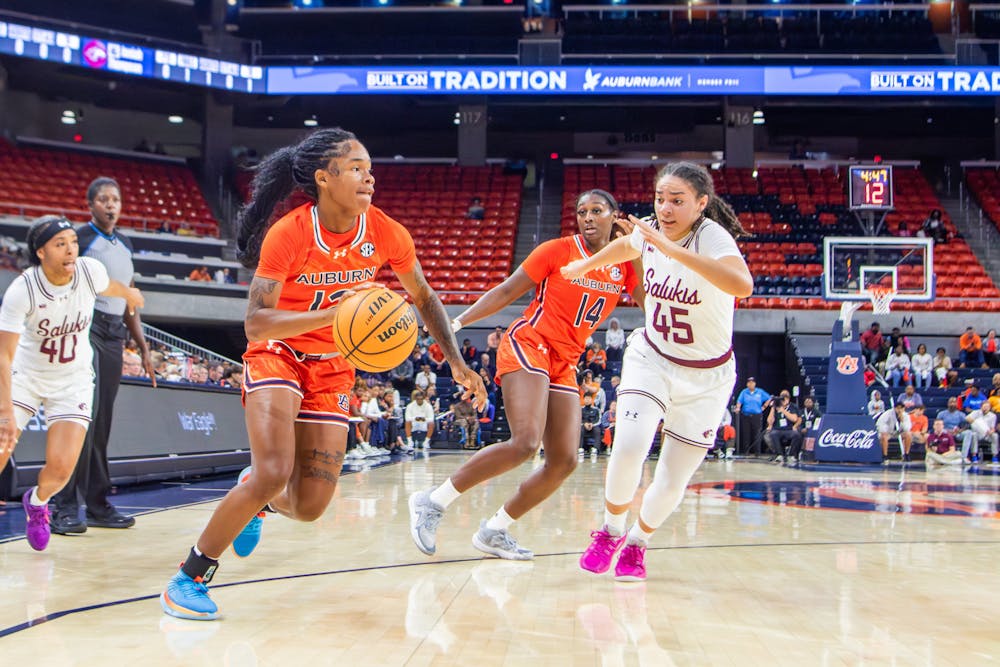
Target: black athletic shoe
point(67, 524)
point(113, 520)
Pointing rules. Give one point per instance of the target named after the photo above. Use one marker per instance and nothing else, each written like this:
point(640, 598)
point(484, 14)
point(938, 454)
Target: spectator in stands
point(588, 385)
point(798, 151)
point(590, 427)
point(921, 368)
point(476, 210)
point(424, 339)
point(614, 340)
point(491, 386)
point(903, 230)
point(725, 437)
point(876, 405)
point(941, 447)
point(372, 411)
point(112, 324)
point(910, 398)
point(991, 349)
point(493, 343)
point(215, 372)
point(612, 392)
point(897, 367)
point(942, 364)
point(402, 377)
point(425, 378)
point(164, 227)
point(132, 365)
point(918, 426)
point(871, 343)
point(418, 358)
point(953, 418)
point(971, 349)
point(993, 395)
point(782, 427)
point(222, 276)
point(355, 411)
point(750, 406)
point(597, 359)
point(200, 275)
point(608, 420)
point(600, 397)
point(467, 421)
point(982, 429)
point(487, 361)
point(970, 399)
point(392, 414)
point(934, 228)
point(485, 419)
point(184, 229)
point(470, 354)
point(896, 339)
point(894, 422)
point(199, 374)
point(419, 421)
point(437, 361)
point(234, 377)
point(811, 415)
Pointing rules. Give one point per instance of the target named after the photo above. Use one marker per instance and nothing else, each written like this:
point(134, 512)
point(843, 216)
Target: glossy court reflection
point(761, 565)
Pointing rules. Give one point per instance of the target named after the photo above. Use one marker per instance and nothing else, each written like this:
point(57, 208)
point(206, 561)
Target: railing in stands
point(151, 225)
point(189, 348)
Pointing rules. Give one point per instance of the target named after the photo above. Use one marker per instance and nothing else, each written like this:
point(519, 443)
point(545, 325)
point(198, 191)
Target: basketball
point(375, 330)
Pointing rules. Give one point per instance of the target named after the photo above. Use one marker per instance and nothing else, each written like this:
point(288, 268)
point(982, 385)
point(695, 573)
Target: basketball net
point(881, 298)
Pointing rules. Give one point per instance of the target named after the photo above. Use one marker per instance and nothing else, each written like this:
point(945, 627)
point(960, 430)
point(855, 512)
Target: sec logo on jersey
point(615, 273)
point(367, 249)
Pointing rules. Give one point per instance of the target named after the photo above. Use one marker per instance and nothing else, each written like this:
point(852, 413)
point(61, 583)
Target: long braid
point(277, 176)
point(701, 182)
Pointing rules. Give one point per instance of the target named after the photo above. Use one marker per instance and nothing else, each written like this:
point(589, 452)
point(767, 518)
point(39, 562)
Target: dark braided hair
point(276, 177)
point(700, 181)
point(616, 228)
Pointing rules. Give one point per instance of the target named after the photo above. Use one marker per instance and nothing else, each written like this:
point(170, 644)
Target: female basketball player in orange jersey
point(296, 387)
point(536, 364)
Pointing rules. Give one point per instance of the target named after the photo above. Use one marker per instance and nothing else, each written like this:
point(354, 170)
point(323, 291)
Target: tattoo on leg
point(325, 457)
point(319, 473)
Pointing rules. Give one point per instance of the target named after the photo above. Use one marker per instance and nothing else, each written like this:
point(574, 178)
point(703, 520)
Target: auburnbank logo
point(594, 80)
point(467, 79)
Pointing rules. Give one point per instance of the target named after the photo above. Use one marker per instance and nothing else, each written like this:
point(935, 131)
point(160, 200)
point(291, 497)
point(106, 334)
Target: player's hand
point(654, 237)
point(473, 384)
point(574, 269)
point(8, 431)
point(147, 363)
point(134, 300)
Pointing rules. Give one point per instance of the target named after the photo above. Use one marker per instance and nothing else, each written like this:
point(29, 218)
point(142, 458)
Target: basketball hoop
point(881, 297)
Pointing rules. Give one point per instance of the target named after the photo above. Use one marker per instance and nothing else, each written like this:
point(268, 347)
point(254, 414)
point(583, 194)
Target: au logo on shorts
point(367, 249)
point(343, 402)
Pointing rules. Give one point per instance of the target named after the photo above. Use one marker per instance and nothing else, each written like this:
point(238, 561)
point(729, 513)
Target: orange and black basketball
point(375, 330)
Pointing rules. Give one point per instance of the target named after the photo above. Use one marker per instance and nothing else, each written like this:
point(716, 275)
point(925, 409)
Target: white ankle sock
point(615, 523)
point(35, 500)
point(445, 494)
point(500, 521)
point(637, 534)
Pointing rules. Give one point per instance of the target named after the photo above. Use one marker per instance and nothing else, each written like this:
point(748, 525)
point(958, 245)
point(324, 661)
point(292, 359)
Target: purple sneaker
point(631, 565)
point(597, 557)
point(37, 529)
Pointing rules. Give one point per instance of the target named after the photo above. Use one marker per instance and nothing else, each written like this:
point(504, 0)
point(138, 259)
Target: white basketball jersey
point(687, 317)
point(53, 321)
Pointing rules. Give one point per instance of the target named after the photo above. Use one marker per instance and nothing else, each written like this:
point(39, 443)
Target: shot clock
point(869, 187)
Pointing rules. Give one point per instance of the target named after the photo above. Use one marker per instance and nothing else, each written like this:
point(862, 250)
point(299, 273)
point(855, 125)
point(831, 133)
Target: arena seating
point(742, 31)
point(42, 180)
point(788, 210)
point(460, 257)
point(984, 185)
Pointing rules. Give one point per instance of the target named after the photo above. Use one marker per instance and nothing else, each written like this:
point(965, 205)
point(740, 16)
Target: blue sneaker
point(249, 537)
point(188, 598)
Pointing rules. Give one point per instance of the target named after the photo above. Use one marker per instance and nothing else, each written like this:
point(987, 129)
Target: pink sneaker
point(37, 530)
point(597, 557)
point(631, 564)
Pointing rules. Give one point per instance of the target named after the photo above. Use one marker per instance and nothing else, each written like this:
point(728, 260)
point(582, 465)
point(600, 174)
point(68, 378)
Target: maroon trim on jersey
point(691, 363)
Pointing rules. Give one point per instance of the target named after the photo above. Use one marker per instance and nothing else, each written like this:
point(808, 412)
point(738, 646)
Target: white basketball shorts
point(68, 398)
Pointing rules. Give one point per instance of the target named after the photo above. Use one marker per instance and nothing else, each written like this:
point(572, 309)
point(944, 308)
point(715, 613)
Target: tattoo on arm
point(259, 287)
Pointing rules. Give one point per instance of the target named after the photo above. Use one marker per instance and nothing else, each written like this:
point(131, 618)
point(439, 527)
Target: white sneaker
point(425, 516)
point(499, 543)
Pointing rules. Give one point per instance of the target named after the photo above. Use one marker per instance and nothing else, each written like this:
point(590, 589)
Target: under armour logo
point(631, 414)
point(543, 349)
point(339, 254)
point(273, 347)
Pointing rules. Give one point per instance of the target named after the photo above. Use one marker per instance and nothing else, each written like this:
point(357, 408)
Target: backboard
point(851, 264)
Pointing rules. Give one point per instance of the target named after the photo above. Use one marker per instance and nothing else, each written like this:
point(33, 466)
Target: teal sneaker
point(249, 537)
point(188, 598)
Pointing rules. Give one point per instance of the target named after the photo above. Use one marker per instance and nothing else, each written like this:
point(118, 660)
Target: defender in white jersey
point(679, 368)
point(45, 356)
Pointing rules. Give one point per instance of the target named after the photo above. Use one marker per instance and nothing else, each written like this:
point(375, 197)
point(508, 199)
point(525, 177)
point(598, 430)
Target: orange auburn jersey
point(315, 265)
point(566, 312)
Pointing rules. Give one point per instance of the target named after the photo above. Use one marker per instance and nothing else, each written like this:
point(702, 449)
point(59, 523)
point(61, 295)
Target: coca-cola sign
point(857, 439)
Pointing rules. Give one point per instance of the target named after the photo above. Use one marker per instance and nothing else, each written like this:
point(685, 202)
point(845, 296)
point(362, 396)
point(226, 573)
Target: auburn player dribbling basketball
point(680, 367)
point(296, 386)
point(536, 364)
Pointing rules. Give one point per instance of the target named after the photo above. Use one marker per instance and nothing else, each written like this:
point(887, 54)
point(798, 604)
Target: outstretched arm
point(617, 252)
point(497, 298)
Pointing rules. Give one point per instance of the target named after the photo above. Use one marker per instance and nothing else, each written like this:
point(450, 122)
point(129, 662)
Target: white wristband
point(456, 325)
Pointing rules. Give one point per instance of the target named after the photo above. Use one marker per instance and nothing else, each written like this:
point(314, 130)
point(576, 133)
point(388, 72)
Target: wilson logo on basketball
point(402, 325)
point(847, 365)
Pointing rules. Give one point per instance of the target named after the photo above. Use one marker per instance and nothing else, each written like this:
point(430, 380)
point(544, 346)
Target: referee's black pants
point(91, 480)
point(750, 432)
